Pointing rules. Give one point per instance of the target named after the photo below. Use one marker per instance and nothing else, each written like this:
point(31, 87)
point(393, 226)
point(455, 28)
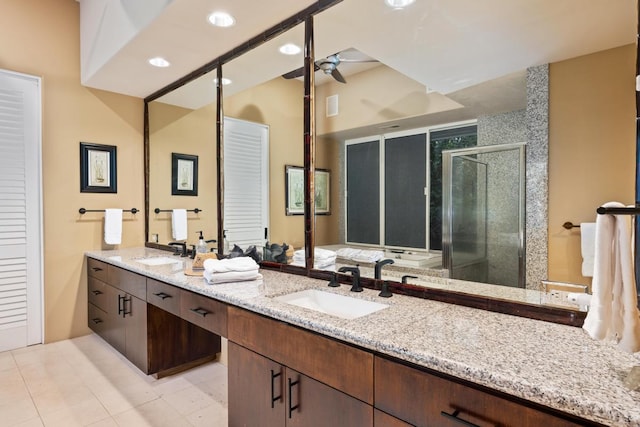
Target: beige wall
point(179, 130)
point(278, 104)
point(591, 148)
point(41, 38)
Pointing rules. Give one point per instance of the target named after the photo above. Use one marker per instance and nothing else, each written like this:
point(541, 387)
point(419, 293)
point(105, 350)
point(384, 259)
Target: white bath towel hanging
point(613, 314)
point(179, 224)
point(587, 247)
point(113, 226)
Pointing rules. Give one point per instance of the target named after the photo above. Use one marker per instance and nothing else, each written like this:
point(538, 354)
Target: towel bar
point(158, 210)
point(83, 210)
point(619, 211)
point(569, 225)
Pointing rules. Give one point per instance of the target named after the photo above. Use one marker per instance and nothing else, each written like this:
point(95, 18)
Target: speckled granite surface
point(554, 365)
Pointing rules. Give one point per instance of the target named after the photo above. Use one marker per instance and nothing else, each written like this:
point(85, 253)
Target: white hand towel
point(179, 224)
point(231, 276)
point(216, 266)
point(613, 313)
point(588, 247)
point(113, 226)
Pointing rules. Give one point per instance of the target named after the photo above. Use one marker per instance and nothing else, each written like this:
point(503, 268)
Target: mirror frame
point(539, 312)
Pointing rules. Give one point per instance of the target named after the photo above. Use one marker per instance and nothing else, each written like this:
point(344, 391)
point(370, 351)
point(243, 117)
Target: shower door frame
point(447, 198)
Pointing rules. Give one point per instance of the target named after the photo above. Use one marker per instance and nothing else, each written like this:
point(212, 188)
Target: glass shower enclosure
point(483, 214)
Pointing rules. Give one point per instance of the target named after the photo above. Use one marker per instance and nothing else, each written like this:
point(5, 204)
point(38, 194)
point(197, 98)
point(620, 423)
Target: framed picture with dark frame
point(98, 173)
point(294, 190)
point(184, 175)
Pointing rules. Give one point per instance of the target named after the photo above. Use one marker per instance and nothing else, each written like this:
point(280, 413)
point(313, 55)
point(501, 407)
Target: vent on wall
point(332, 105)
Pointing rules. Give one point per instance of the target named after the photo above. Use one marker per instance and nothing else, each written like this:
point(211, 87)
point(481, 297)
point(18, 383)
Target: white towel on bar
point(613, 314)
point(587, 247)
point(113, 226)
point(179, 224)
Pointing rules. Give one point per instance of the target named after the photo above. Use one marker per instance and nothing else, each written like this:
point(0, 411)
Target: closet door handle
point(97, 292)
point(274, 399)
point(291, 407)
point(163, 295)
point(454, 417)
point(200, 311)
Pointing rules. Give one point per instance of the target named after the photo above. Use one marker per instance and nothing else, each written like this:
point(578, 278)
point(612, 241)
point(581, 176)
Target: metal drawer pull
point(163, 295)
point(274, 399)
point(200, 311)
point(454, 417)
point(97, 292)
point(96, 269)
point(120, 305)
point(291, 384)
point(126, 300)
point(96, 320)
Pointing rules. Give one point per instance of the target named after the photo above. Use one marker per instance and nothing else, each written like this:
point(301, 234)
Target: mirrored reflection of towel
point(179, 224)
point(322, 258)
point(113, 226)
point(587, 247)
point(613, 314)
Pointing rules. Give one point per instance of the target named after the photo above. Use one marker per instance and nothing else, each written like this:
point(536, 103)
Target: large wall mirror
point(433, 81)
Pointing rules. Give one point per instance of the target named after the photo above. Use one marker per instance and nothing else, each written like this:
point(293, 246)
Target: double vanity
point(301, 353)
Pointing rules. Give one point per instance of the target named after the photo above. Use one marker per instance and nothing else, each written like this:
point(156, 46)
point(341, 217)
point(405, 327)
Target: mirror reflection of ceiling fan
point(329, 65)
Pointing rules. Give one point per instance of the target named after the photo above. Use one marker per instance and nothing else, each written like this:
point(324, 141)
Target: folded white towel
point(587, 247)
point(217, 266)
point(179, 224)
point(319, 254)
point(368, 256)
point(231, 276)
point(328, 265)
point(613, 313)
point(113, 226)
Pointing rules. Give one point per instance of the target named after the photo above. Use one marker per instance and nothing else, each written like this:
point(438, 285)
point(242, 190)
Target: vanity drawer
point(131, 283)
point(424, 399)
point(97, 269)
point(98, 293)
point(204, 312)
point(164, 296)
point(97, 320)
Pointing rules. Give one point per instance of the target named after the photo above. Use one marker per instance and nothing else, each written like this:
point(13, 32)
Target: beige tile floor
point(85, 382)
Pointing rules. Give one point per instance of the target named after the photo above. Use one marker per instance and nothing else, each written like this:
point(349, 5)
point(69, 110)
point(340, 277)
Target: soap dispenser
point(201, 247)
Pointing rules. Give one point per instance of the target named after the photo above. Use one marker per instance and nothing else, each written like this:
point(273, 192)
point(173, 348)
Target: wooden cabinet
point(204, 312)
point(424, 399)
point(266, 393)
point(152, 336)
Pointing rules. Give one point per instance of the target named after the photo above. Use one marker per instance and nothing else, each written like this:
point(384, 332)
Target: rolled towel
point(368, 256)
point(113, 226)
point(216, 266)
point(231, 276)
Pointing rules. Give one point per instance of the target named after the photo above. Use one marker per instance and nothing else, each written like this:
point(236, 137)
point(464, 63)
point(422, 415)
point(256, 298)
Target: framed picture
point(294, 190)
point(184, 175)
point(98, 172)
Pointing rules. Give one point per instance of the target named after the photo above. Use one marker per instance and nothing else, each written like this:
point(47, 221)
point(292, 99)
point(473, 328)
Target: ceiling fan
point(329, 65)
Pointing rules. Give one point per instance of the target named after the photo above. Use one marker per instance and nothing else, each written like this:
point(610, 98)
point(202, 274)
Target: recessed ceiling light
point(225, 81)
point(398, 4)
point(290, 49)
point(159, 61)
point(221, 19)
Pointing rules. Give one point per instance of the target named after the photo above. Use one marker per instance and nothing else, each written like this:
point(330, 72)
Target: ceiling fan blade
point(298, 73)
point(338, 76)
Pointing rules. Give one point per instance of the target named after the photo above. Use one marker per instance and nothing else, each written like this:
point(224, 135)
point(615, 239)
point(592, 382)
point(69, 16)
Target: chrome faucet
point(355, 282)
point(377, 270)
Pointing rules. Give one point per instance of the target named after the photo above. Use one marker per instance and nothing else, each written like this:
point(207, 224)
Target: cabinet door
point(424, 399)
point(256, 392)
point(382, 419)
point(310, 403)
point(135, 322)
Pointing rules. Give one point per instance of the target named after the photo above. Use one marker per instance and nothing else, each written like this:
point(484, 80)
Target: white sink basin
point(332, 304)
point(160, 260)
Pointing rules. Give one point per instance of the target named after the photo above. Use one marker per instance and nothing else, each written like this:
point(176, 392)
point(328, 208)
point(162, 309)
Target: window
point(394, 186)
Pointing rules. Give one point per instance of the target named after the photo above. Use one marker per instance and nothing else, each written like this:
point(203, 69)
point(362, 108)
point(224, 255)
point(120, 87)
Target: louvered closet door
point(246, 183)
point(20, 207)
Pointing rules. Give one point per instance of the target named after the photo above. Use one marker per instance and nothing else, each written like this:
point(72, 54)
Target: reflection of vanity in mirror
point(431, 90)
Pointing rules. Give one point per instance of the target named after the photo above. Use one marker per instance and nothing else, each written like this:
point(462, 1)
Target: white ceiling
point(447, 45)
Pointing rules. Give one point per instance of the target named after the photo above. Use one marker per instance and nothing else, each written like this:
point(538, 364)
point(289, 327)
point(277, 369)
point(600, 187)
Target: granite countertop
point(554, 365)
